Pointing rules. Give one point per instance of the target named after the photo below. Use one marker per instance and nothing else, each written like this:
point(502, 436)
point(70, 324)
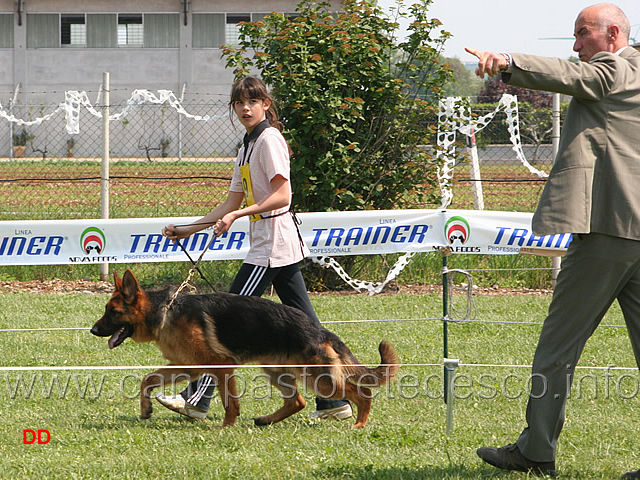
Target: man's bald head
point(607, 14)
point(600, 28)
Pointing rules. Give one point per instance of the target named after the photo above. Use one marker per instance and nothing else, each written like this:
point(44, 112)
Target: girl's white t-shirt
point(274, 242)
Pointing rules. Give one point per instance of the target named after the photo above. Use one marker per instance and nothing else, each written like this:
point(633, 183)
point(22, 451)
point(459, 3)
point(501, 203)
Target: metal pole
point(104, 182)
point(474, 170)
point(445, 316)
point(13, 101)
point(184, 87)
point(555, 141)
point(450, 365)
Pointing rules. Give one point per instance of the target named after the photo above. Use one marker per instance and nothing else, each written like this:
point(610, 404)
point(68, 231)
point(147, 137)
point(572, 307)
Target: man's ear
point(612, 33)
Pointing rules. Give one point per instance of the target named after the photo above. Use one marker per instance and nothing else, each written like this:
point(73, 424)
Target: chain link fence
point(163, 163)
point(504, 182)
point(166, 164)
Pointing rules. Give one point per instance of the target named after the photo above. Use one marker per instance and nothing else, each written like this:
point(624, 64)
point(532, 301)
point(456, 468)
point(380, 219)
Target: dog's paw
point(261, 422)
point(146, 413)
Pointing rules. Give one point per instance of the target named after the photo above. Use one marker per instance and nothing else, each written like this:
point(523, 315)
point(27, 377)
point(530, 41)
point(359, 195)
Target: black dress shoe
point(635, 474)
point(510, 458)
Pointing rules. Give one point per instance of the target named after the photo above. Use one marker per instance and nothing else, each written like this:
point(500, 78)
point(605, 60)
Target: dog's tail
point(374, 377)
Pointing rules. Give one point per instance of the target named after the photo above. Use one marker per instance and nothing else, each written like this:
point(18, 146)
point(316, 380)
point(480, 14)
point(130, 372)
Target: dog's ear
point(117, 281)
point(130, 287)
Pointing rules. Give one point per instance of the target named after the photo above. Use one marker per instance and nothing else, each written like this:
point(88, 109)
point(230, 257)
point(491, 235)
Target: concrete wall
point(44, 74)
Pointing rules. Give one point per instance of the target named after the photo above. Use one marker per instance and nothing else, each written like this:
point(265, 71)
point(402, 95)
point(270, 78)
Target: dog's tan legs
point(361, 398)
point(155, 379)
point(326, 386)
point(228, 395)
point(293, 401)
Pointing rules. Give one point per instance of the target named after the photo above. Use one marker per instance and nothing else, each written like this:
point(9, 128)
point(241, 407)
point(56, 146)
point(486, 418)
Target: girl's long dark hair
point(253, 87)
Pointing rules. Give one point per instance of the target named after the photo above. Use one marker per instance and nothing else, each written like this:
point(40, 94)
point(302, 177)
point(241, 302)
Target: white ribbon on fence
point(11, 118)
point(361, 285)
point(75, 99)
point(455, 116)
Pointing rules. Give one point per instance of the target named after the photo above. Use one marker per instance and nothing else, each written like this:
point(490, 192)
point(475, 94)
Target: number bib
point(245, 173)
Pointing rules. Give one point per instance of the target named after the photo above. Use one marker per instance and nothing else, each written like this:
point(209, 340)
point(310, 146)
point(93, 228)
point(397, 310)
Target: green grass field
point(95, 430)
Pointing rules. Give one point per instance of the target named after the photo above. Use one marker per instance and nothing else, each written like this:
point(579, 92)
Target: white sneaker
point(178, 404)
point(338, 413)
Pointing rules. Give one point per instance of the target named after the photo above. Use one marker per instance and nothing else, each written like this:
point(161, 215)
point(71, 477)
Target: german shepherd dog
point(227, 330)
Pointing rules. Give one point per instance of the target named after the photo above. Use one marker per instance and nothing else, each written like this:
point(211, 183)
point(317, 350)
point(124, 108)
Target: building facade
point(56, 45)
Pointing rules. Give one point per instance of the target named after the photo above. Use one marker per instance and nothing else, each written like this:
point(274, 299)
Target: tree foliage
point(349, 100)
point(494, 88)
point(465, 83)
point(535, 109)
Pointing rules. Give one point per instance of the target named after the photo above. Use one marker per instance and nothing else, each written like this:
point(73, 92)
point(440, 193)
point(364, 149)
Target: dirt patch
point(57, 286)
point(485, 291)
point(89, 287)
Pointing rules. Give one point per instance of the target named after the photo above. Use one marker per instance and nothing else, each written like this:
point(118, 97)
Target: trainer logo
point(457, 230)
point(92, 239)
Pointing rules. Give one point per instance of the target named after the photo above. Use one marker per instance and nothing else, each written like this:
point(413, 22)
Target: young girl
point(261, 181)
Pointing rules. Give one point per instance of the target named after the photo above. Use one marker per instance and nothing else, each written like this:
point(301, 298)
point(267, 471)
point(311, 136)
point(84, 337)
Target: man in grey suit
point(593, 192)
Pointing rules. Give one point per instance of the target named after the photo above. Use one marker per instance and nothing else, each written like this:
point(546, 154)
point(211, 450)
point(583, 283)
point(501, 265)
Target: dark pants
point(253, 281)
point(597, 270)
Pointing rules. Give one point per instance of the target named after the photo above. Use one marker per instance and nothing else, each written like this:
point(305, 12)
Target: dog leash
point(296, 222)
point(195, 264)
point(191, 271)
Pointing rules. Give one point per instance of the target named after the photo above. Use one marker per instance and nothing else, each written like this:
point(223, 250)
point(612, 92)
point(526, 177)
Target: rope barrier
point(42, 329)
point(385, 320)
point(511, 269)
point(194, 367)
point(111, 177)
point(333, 322)
point(54, 368)
point(578, 367)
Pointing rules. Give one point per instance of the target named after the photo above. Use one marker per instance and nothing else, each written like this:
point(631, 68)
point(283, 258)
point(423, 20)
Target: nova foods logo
point(92, 243)
point(92, 239)
point(457, 230)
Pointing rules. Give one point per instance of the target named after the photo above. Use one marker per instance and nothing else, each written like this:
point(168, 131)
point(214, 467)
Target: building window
point(102, 30)
point(161, 30)
point(130, 30)
point(232, 29)
point(208, 30)
point(43, 30)
point(73, 30)
point(6, 31)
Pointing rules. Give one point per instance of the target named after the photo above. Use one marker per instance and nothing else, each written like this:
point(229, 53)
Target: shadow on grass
point(175, 422)
point(169, 420)
point(410, 473)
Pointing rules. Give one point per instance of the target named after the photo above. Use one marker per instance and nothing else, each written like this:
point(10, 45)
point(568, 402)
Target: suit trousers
point(596, 270)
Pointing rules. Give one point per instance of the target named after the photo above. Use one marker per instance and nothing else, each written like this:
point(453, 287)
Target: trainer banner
point(136, 240)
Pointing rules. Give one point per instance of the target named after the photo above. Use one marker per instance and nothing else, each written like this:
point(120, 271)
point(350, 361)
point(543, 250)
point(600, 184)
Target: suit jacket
point(594, 185)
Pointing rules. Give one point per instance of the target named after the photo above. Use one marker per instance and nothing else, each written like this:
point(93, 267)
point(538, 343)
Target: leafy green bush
point(351, 100)
point(21, 138)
